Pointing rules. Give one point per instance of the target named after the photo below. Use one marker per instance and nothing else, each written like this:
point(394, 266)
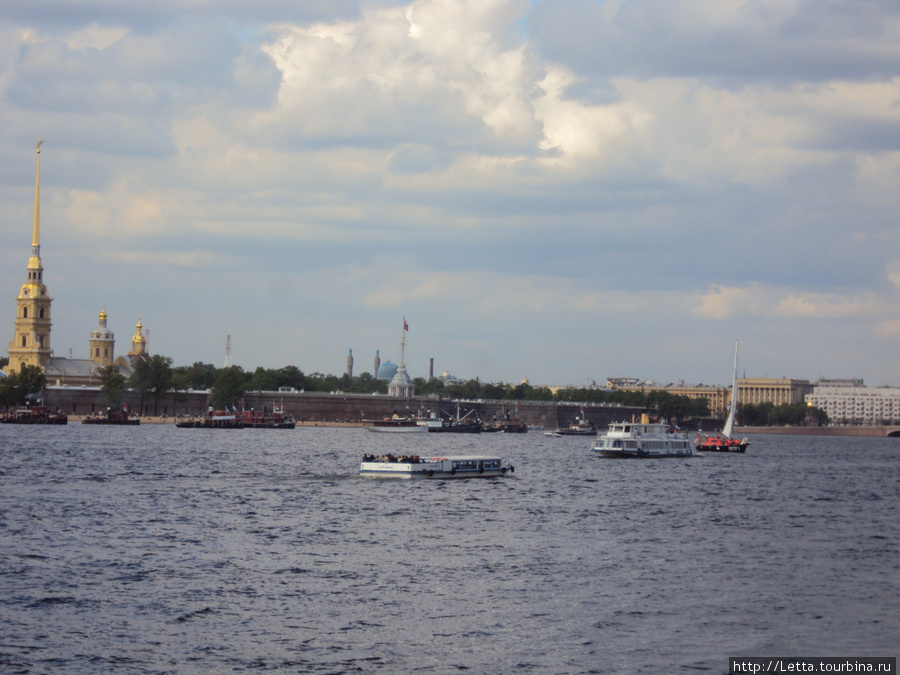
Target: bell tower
point(102, 343)
point(138, 349)
point(31, 342)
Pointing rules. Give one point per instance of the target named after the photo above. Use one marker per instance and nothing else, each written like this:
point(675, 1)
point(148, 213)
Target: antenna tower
point(228, 351)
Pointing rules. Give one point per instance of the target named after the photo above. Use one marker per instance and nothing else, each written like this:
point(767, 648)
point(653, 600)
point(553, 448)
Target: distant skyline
point(561, 191)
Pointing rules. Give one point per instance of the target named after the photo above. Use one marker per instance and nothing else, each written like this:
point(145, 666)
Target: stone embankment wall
point(345, 408)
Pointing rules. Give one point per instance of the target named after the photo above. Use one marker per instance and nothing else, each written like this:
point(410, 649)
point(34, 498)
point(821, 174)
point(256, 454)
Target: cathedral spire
point(35, 267)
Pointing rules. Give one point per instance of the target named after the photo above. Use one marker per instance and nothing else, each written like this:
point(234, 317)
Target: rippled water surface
point(163, 550)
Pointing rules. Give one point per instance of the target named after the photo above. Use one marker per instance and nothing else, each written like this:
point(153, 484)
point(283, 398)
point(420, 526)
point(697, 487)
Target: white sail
point(732, 408)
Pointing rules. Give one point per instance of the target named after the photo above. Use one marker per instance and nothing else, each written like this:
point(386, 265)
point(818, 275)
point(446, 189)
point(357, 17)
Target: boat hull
point(132, 422)
point(458, 429)
point(732, 447)
point(398, 430)
point(46, 420)
point(641, 454)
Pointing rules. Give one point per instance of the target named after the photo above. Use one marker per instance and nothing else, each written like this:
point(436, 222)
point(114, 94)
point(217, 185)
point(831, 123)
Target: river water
point(163, 550)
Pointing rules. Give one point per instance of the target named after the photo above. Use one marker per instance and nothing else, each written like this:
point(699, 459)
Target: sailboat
point(724, 442)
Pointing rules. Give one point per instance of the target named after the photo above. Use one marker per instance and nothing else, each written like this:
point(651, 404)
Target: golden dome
point(138, 336)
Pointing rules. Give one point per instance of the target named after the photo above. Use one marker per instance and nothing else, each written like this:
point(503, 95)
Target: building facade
point(750, 391)
point(853, 403)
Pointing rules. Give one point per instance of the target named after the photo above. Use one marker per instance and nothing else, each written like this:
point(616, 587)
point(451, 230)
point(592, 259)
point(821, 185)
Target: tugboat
point(36, 414)
point(724, 442)
point(580, 426)
point(507, 425)
point(459, 425)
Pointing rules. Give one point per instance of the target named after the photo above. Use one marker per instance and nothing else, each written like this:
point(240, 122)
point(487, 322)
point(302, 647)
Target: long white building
point(850, 402)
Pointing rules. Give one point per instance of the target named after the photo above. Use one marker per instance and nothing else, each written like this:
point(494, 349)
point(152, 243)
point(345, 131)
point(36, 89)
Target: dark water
point(156, 549)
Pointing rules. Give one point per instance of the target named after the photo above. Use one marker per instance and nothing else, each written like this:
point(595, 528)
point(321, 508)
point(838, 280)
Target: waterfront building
point(851, 402)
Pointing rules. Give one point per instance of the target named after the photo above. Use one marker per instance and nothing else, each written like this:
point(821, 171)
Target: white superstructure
point(466, 466)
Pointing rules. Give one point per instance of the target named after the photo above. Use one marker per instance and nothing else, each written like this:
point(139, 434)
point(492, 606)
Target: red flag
point(405, 325)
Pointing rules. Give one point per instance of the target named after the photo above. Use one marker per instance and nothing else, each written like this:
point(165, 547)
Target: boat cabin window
point(626, 429)
point(465, 464)
point(492, 464)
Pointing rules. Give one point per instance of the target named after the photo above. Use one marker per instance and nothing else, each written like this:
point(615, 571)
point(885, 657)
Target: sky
point(563, 191)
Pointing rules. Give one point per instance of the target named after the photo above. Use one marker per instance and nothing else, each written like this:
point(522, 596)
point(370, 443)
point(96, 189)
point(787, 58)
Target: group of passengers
point(411, 459)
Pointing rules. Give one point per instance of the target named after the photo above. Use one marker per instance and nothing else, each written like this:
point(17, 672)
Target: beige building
point(750, 390)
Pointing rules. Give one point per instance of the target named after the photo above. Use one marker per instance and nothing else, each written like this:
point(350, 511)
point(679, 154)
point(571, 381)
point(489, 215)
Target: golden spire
point(34, 263)
point(103, 315)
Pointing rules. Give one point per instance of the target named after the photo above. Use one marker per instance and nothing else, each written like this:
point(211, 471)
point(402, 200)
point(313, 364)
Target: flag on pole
point(405, 325)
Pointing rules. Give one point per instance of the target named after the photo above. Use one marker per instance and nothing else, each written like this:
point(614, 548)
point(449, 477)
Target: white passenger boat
point(411, 466)
point(648, 438)
point(395, 424)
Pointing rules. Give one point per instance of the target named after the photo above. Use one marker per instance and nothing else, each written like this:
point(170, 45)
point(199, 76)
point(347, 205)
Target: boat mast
point(732, 408)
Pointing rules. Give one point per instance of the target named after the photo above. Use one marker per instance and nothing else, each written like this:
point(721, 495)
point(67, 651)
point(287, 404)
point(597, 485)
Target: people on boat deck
point(411, 459)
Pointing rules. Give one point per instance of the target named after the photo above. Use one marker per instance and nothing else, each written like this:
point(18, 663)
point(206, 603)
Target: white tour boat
point(411, 466)
point(648, 438)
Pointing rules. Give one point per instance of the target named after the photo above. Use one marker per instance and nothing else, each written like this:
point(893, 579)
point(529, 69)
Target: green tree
point(160, 375)
point(229, 387)
point(112, 386)
point(23, 384)
point(198, 376)
point(264, 379)
point(140, 381)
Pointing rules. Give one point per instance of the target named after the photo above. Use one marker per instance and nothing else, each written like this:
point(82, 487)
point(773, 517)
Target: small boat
point(458, 426)
point(413, 466)
point(220, 419)
point(397, 424)
point(35, 414)
point(115, 417)
point(648, 438)
point(580, 426)
point(276, 419)
point(508, 426)
point(724, 442)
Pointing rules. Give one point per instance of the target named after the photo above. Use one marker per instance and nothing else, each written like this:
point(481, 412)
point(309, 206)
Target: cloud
point(769, 303)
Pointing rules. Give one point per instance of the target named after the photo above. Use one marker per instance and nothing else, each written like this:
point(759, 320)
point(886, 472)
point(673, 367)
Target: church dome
point(386, 371)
